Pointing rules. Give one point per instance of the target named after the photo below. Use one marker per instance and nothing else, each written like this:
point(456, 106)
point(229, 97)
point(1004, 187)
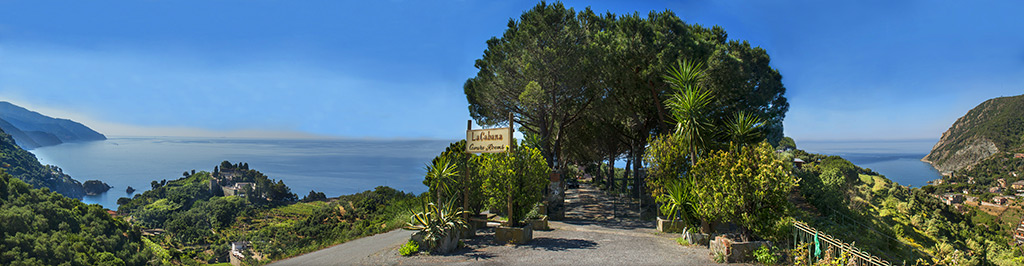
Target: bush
point(765, 256)
point(520, 175)
point(682, 241)
point(409, 248)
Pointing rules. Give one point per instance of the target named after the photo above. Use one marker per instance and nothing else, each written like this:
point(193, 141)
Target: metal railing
point(802, 233)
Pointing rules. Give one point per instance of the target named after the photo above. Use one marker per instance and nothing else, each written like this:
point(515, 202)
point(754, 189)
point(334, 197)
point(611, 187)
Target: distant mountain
point(994, 126)
point(24, 165)
point(32, 130)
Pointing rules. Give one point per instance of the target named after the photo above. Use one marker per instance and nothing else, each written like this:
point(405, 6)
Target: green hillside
point(996, 125)
point(894, 222)
point(24, 165)
point(40, 227)
point(201, 215)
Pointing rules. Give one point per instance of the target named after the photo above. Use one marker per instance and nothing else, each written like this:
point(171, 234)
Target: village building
point(999, 200)
point(995, 190)
point(1018, 234)
point(799, 163)
point(1018, 155)
point(238, 189)
point(952, 198)
point(1001, 182)
point(1019, 185)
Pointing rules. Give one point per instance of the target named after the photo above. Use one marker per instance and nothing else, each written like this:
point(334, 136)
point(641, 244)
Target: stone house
point(995, 190)
point(953, 198)
point(1001, 182)
point(1017, 185)
point(1018, 234)
point(999, 200)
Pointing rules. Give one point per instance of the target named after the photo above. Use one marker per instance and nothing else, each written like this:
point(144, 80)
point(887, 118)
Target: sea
point(332, 166)
point(346, 166)
point(898, 160)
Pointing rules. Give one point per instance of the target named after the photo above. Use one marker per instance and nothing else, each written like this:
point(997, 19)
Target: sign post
point(492, 140)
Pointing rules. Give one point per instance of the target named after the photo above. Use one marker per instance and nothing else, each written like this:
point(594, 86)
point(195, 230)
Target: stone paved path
point(599, 230)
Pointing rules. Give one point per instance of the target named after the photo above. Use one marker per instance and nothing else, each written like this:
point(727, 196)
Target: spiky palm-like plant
point(689, 106)
point(437, 222)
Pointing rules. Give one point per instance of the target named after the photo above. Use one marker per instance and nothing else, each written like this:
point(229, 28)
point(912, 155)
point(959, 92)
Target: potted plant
point(515, 181)
point(536, 219)
point(676, 206)
point(439, 227)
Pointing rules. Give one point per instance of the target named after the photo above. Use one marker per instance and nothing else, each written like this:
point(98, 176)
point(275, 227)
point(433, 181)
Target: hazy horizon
point(313, 69)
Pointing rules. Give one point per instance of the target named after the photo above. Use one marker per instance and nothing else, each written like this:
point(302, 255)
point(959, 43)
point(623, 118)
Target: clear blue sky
point(395, 69)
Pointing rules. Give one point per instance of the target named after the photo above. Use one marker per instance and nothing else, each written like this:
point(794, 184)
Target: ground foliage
point(894, 222)
point(201, 222)
point(40, 227)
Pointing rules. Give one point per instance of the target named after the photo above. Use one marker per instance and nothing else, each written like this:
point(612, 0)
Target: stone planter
point(539, 224)
point(670, 226)
point(695, 238)
point(735, 251)
point(467, 233)
point(477, 221)
point(513, 235)
point(445, 245)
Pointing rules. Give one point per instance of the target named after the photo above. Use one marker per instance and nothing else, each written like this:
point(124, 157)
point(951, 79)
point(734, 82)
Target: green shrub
point(765, 256)
point(682, 241)
point(519, 175)
point(409, 248)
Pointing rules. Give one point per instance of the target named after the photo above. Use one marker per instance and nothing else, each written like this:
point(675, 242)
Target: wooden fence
point(802, 233)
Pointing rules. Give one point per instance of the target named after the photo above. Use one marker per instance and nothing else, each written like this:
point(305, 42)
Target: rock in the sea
point(129, 190)
point(95, 187)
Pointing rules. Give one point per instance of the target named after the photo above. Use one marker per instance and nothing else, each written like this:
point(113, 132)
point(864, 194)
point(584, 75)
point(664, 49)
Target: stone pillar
point(556, 198)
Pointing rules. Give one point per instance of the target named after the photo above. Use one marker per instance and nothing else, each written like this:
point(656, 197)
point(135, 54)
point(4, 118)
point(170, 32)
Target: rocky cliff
point(996, 125)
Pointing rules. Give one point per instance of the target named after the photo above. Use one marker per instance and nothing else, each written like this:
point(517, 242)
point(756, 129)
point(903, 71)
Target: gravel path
point(597, 231)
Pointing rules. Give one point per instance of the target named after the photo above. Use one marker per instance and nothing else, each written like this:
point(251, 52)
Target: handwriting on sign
point(488, 140)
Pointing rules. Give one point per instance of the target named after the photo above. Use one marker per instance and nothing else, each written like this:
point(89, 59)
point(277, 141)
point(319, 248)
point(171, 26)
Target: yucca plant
point(677, 202)
point(437, 222)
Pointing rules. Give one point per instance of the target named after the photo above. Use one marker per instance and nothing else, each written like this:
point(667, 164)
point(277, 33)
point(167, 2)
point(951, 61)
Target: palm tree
point(441, 177)
point(689, 106)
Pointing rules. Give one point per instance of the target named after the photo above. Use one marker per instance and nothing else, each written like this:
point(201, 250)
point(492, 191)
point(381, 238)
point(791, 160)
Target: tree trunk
point(637, 175)
point(625, 177)
point(611, 173)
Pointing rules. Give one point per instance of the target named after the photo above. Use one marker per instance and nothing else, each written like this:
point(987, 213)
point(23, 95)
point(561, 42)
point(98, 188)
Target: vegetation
point(894, 222)
point(463, 179)
point(23, 165)
point(589, 87)
point(40, 227)
point(201, 220)
point(409, 248)
point(999, 121)
point(438, 225)
point(515, 180)
point(765, 256)
point(748, 187)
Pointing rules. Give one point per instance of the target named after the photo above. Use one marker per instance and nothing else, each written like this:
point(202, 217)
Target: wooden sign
point(490, 140)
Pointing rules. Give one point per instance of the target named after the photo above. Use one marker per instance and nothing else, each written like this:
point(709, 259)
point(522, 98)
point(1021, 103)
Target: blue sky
point(394, 69)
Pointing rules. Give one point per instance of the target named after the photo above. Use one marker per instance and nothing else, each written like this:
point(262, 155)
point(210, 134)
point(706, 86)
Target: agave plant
point(437, 222)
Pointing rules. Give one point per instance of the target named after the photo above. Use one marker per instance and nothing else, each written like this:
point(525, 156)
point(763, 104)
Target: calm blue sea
point(335, 167)
point(900, 161)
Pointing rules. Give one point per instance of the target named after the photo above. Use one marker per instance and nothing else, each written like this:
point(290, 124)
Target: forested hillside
point(203, 212)
point(32, 129)
point(894, 222)
point(40, 227)
point(24, 165)
point(996, 125)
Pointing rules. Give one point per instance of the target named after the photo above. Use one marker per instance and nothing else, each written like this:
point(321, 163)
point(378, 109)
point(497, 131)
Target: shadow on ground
point(559, 244)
